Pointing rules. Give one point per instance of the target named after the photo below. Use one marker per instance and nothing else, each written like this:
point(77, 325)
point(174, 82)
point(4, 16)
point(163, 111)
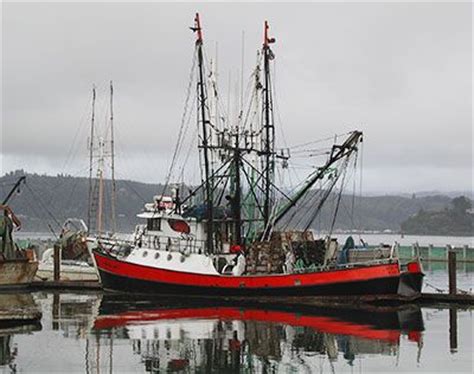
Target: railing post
point(452, 272)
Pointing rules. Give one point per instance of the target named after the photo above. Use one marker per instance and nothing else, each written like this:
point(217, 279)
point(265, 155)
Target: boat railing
point(184, 245)
point(349, 265)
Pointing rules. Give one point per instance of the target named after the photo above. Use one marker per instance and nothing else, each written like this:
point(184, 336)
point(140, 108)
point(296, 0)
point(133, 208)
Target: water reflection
point(95, 333)
point(171, 336)
point(11, 303)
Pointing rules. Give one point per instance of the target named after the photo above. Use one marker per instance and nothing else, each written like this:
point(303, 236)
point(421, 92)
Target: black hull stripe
point(377, 286)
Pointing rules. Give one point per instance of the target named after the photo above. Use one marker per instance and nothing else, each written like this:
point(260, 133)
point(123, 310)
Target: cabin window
point(154, 224)
point(179, 225)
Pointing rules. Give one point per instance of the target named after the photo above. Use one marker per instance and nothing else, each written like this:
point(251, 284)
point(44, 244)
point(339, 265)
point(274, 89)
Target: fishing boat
point(235, 234)
point(17, 266)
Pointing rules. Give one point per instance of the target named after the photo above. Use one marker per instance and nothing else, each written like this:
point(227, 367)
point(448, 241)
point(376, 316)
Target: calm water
point(104, 333)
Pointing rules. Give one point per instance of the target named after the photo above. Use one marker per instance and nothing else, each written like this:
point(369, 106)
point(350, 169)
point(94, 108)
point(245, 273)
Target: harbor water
point(94, 332)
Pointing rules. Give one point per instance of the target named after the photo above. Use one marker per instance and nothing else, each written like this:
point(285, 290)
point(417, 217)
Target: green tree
point(461, 204)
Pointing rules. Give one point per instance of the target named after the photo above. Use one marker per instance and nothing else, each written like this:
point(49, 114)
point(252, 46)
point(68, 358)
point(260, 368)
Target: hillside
point(455, 220)
point(62, 196)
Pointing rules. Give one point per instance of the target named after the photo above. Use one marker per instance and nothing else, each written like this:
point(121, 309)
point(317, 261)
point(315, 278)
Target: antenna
point(242, 78)
point(112, 154)
point(91, 153)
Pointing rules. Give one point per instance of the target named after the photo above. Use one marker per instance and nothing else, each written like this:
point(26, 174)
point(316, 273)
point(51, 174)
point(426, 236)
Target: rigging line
point(273, 184)
point(277, 107)
point(182, 142)
point(39, 201)
point(251, 103)
point(295, 210)
point(191, 146)
point(78, 130)
point(33, 205)
point(323, 200)
point(192, 193)
point(219, 104)
point(252, 190)
point(309, 202)
point(319, 140)
point(126, 182)
point(183, 121)
point(339, 197)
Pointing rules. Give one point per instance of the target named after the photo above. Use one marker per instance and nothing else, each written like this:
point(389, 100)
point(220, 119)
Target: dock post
point(430, 251)
point(452, 272)
point(448, 249)
point(453, 329)
point(57, 262)
point(464, 252)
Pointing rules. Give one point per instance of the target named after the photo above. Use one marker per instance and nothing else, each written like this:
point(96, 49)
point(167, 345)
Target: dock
point(317, 301)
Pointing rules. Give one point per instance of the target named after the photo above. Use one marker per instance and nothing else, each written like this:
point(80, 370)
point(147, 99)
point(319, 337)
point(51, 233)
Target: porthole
point(169, 257)
point(145, 253)
point(181, 259)
point(157, 255)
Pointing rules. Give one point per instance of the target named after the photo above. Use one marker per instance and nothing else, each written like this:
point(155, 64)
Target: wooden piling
point(452, 272)
point(57, 262)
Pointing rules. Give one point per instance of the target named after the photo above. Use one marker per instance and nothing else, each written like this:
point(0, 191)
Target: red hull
point(368, 279)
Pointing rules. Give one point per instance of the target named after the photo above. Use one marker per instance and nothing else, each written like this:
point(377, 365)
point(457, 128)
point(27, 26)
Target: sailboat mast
point(91, 155)
point(269, 129)
point(100, 177)
point(112, 154)
point(204, 144)
point(237, 198)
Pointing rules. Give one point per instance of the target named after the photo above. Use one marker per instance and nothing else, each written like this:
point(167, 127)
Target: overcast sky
point(402, 73)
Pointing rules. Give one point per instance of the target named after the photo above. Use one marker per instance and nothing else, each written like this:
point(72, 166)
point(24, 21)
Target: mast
point(269, 130)
point(14, 188)
point(204, 144)
point(100, 177)
point(237, 198)
point(91, 153)
point(112, 155)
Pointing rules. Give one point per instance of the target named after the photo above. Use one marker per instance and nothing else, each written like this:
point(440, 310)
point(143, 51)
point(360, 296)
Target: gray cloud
point(400, 72)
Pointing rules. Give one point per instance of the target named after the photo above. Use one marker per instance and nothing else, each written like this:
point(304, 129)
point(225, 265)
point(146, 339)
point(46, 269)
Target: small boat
point(76, 261)
point(17, 266)
point(235, 235)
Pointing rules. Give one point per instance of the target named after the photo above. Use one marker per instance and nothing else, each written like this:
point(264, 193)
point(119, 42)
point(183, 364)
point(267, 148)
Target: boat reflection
point(173, 336)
